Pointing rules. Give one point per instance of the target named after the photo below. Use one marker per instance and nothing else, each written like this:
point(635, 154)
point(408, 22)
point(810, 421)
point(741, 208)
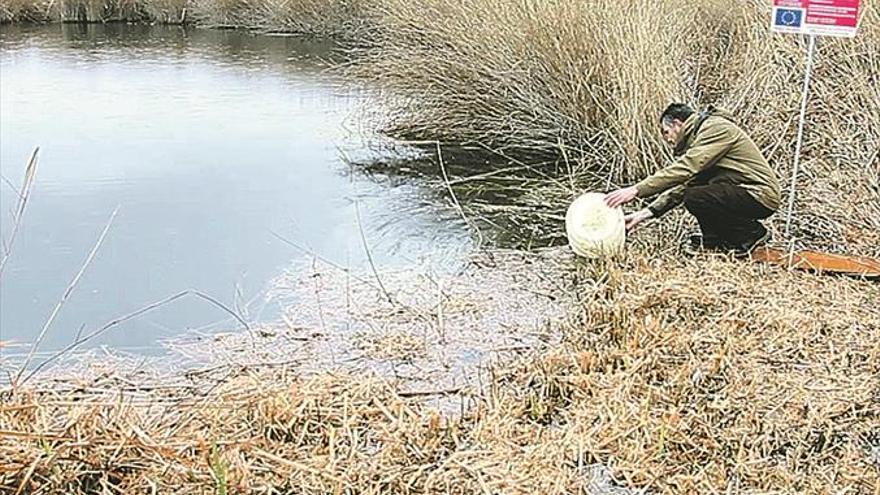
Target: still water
point(210, 143)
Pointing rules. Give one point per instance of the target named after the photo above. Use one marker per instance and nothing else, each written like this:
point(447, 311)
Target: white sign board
point(816, 17)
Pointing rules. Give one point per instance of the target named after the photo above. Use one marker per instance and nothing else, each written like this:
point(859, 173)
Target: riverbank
point(331, 18)
point(682, 375)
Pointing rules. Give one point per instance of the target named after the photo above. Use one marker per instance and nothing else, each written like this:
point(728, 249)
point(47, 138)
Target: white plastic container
point(594, 230)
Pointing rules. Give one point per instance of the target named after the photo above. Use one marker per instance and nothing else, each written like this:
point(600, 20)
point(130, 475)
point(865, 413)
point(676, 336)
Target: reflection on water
point(208, 141)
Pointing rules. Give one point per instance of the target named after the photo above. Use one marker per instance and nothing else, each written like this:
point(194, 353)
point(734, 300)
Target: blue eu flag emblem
point(789, 17)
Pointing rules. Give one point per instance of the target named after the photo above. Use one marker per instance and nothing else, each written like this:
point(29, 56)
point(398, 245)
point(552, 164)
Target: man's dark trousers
point(727, 213)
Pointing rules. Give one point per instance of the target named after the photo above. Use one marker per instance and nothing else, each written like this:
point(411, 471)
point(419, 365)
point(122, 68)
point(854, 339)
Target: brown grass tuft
point(697, 376)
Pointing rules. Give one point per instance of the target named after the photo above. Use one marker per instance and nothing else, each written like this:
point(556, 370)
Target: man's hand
point(621, 196)
point(636, 218)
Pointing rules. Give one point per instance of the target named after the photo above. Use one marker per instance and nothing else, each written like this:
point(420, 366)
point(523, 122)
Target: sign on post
point(813, 18)
point(816, 17)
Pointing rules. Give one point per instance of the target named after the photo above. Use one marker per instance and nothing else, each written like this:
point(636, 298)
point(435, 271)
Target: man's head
point(672, 121)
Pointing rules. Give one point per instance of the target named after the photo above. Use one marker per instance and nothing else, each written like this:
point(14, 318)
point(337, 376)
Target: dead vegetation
point(335, 18)
point(584, 83)
point(699, 376)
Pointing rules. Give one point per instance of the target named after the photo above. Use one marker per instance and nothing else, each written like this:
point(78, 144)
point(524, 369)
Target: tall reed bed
point(586, 81)
point(164, 11)
point(535, 75)
point(338, 18)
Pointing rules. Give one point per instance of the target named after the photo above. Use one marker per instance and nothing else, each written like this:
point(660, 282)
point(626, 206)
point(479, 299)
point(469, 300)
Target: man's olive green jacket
point(718, 152)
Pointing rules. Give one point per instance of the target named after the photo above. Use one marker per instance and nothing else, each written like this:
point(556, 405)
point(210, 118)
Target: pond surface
point(210, 143)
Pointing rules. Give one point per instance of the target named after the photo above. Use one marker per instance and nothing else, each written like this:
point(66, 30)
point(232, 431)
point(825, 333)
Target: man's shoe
point(746, 248)
point(697, 243)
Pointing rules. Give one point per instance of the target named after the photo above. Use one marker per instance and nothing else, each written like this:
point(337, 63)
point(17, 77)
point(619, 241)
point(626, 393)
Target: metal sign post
point(812, 18)
point(800, 134)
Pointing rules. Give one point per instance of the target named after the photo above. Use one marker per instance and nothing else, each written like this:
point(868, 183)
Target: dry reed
point(337, 18)
point(586, 81)
point(685, 376)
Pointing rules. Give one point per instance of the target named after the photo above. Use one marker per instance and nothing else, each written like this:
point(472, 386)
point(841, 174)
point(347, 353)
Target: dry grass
point(697, 376)
point(539, 73)
point(164, 11)
point(20, 11)
point(585, 81)
point(740, 379)
point(338, 18)
point(334, 18)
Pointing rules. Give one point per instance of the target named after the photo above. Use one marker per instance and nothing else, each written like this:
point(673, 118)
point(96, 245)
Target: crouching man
point(719, 174)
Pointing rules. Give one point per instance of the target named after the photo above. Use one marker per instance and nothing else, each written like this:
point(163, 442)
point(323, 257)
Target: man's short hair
point(676, 111)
